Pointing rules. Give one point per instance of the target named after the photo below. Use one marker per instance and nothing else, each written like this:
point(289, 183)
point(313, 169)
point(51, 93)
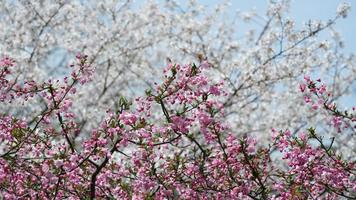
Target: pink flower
point(315, 106)
point(307, 78)
point(45, 167)
point(180, 124)
point(322, 89)
point(302, 87)
point(128, 118)
point(214, 90)
point(58, 163)
point(204, 119)
point(6, 61)
point(307, 99)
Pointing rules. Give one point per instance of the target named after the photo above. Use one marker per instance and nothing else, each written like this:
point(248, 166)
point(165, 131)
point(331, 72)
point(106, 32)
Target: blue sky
point(302, 11)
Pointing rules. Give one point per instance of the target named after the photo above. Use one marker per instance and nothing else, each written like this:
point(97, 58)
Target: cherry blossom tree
point(185, 151)
point(130, 41)
point(245, 122)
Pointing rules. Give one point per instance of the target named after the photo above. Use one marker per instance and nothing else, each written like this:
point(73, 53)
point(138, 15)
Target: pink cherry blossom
point(172, 143)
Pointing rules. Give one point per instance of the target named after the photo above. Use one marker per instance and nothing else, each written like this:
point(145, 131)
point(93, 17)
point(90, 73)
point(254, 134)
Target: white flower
point(343, 9)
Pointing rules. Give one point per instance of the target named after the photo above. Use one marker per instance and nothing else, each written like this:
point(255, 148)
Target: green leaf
point(124, 104)
point(18, 133)
point(174, 70)
point(194, 70)
point(148, 92)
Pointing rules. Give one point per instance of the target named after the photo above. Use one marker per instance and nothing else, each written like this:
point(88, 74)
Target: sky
point(302, 11)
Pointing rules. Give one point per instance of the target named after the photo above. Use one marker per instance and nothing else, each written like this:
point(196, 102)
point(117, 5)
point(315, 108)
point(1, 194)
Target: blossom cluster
point(316, 94)
point(172, 143)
